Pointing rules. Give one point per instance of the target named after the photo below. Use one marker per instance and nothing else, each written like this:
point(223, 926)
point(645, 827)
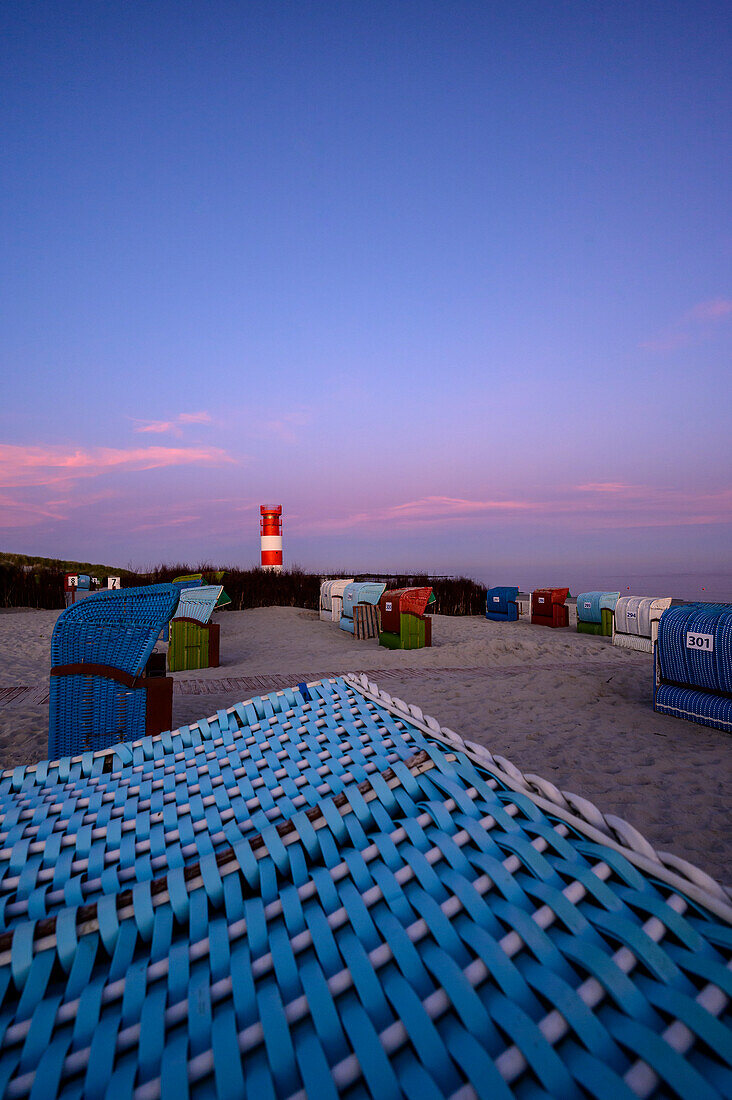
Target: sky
point(448, 281)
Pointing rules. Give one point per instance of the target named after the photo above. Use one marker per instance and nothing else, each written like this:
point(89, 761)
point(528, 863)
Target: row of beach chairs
point(108, 686)
point(365, 609)
point(691, 643)
point(631, 621)
point(351, 605)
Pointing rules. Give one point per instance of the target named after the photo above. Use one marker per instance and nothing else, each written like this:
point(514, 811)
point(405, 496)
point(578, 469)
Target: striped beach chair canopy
point(331, 588)
point(323, 893)
point(590, 605)
point(635, 617)
point(199, 604)
point(693, 664)
point(361, 592)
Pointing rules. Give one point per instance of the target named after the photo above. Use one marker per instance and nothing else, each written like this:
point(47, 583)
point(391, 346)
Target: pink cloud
point(713, 310)
point(667, 343)
point(687, 329)
point(133, 515)
point(604, 487)
point(159, 427)
point(598, 505)
point(283, 427)
point(34, 466)
point(430, 510)
point(158, 522)
point(447, 507)
point(22, 513)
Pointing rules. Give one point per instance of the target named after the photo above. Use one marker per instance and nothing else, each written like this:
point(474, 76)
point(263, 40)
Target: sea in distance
point(703, 587)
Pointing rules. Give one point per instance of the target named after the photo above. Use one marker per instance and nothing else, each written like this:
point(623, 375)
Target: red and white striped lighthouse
point(271, 528)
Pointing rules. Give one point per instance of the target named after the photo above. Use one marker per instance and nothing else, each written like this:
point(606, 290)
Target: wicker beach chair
point(693, 664)
point(404, 620)
point(189, 580)
point(323, 893)
point(596, 612)
point(548, 607)
point(501, 604)
point(99, 692)
point(182, 583)
point(360, 592)
point(330, 607)
point(194, 639)
point(636, 618)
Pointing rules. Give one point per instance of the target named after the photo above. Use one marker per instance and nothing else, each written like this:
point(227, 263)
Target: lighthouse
point(271, 528)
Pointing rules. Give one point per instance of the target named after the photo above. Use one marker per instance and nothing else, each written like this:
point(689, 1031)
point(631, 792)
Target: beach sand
point(568, 707)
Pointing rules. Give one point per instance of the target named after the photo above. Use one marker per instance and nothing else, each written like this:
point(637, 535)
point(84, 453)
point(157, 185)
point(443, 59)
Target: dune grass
point(39, 582)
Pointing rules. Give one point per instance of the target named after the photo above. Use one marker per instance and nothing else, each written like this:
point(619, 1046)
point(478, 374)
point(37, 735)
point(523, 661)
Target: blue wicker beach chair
point(99, 650)
point(693, 664)
point(189, 580)
point(323, 893)
point(501, 605)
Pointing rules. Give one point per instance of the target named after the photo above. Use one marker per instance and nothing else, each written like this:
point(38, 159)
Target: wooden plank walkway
point(244, 687)
point(29, 696)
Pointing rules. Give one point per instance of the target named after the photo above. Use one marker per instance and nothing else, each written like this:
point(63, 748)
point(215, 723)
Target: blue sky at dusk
point(449, 281)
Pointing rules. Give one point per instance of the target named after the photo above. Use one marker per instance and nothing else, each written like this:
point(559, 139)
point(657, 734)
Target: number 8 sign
point(700, 641)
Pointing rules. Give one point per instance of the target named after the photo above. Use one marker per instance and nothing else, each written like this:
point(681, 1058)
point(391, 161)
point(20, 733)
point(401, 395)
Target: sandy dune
point(566, 706)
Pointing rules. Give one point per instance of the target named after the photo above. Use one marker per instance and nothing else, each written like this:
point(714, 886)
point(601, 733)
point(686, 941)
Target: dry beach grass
point(565, 706)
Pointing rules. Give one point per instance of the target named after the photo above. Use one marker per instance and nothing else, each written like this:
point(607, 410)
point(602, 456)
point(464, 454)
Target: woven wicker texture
point(329, 896)
point(118, 629)
point(189, 580)
point(635, 619)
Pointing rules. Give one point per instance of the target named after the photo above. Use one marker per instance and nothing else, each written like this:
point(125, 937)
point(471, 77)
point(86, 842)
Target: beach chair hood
point(591, 604)
point(361, 592)
point(410, 601)
point(198, 604)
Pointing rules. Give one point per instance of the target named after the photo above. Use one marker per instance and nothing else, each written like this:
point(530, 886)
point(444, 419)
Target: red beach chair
point(548, 607)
